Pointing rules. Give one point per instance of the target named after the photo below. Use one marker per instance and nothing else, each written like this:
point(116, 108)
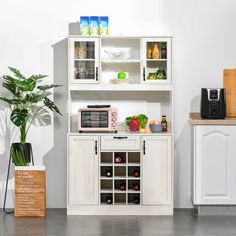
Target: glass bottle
point(155, 52)
point(163, 52)
point(149, 52)
point(164, 124)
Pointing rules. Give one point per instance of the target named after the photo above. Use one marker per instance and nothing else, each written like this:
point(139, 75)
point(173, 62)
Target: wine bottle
point(136, 173)
point(122, 187)
point(136, 199)
point(136, 187)
point(118, 159)
point(109, 200)
point(109, 173)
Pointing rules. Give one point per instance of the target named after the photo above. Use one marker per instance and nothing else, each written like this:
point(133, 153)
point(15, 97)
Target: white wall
point(204, 44)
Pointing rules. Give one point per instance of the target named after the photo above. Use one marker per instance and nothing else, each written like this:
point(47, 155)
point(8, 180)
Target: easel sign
point(30, 191)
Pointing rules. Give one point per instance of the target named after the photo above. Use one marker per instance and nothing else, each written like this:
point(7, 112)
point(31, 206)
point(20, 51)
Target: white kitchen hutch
point(93, 63)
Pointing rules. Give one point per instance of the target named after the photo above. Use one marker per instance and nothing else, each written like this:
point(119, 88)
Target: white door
point(215, 164)
point(156, 167)
point(83, 170)
point(156, 60)
point(83, 60)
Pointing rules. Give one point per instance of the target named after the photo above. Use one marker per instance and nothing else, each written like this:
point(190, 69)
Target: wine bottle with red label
point(122, 186)
point(136, 186)
point(136, 173)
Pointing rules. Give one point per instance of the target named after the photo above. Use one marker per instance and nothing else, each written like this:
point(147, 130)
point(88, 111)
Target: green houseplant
point(27, 99)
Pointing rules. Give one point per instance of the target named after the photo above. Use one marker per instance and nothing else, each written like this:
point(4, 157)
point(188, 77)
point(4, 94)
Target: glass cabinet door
point(156, 60)
point(84, 60)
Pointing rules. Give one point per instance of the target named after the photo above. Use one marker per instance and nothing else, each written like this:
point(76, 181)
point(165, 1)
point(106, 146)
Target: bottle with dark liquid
point(164, 124)
point(163, 52)
point(136, 199)
point(136, 173)
point(109, 200)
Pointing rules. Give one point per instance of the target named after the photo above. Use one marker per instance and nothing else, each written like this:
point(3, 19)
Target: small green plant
point(27, 99)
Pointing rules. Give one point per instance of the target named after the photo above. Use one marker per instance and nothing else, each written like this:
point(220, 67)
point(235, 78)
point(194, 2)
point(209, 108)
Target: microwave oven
point(98, 119)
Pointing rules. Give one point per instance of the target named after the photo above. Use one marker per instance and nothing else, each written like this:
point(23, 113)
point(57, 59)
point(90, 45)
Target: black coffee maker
point(213, 105)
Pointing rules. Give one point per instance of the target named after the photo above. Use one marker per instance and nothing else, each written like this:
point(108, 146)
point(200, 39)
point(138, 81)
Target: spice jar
point(164, 124)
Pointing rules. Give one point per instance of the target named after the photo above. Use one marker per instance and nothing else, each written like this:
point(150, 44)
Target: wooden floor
point(183, 223)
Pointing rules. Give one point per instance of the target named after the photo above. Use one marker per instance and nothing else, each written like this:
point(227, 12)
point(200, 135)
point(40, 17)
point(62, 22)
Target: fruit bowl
point(155, 128)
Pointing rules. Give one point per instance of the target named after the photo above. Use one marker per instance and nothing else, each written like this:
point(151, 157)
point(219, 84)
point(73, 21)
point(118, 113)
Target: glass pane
point(84, 70)
point(156, 56)
point(156, 50)
point(94, 119)
point(156, 70)
point(84, 50)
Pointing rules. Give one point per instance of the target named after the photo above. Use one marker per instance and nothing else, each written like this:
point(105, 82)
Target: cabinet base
point(120, 210)
point(215, 210)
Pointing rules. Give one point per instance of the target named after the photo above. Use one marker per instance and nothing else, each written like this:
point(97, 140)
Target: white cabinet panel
point(83, 170)
point(215, 165)
point(156, 170)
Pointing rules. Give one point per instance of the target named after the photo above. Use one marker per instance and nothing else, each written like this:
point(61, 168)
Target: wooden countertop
point(196, 119)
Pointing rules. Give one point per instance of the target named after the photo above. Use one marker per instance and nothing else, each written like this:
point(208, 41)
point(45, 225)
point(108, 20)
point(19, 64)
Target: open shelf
point(106, 158)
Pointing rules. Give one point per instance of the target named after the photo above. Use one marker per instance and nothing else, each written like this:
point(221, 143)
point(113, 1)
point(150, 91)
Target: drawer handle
point(120, 137)
point(96, 147)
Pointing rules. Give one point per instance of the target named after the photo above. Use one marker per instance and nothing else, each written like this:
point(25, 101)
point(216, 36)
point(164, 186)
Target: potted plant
point(27, 99)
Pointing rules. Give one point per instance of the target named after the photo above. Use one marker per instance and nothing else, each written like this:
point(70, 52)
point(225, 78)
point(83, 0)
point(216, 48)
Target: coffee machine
point(213, 105)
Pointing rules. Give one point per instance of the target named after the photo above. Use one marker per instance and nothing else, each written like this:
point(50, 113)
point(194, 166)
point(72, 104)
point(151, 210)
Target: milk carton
point(93, 25)
point(84, 25)
point(103, 25)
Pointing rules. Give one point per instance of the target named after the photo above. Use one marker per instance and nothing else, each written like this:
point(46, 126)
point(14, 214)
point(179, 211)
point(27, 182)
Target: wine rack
point(120, 178)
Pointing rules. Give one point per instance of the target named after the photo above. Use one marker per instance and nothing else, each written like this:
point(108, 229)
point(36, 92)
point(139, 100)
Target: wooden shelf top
point(196, 119)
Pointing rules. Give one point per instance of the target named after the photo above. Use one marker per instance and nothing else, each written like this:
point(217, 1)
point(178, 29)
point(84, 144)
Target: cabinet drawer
point(120, 142)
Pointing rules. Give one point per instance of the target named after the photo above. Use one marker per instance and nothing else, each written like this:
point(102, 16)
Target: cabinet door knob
point(120, 137)
point(144, 147)
point(96, 147)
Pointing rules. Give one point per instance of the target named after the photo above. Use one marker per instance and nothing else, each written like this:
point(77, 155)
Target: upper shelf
point(120, 87)
point(118, 36)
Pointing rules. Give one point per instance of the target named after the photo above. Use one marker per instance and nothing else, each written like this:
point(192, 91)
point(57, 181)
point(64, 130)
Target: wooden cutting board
point(30, 192)
point(230, 86)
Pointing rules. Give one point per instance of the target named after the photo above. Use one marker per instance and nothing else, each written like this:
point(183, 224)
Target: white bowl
point(121, 81)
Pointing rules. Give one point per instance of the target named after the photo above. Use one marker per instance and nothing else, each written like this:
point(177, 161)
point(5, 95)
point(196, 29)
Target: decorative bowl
point(155, 128)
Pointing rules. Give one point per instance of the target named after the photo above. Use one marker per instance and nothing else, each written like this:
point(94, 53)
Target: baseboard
point(216, 210)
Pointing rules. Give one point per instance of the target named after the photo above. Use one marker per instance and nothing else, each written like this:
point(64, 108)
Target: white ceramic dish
point(121, 81)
